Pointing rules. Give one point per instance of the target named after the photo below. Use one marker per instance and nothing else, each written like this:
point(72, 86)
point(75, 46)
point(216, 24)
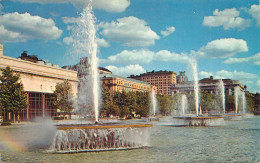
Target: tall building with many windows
point(160, 79)
point(118, 83)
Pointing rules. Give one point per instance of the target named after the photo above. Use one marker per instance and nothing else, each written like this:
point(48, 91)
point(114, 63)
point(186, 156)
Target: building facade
point(39, 81)
point(118, 83)
point(162, 80)
point(208, 84)
point(82, 68)
point(182, 77)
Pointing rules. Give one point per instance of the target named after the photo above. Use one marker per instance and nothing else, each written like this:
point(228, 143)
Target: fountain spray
point(222, 93)
point(196, 83)
point(237, 91)
point(154, 101)
point(85, 43)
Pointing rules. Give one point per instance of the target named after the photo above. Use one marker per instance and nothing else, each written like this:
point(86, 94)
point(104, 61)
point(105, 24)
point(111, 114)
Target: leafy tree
point(164, 102)
point(108, 106)
point(230, 103)
point(208, 101)
point(250, 104)
point(12, 95)
point(142, 104)
point(63, 97)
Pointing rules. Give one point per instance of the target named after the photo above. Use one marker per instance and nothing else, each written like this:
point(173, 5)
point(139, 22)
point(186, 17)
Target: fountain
point(196, 83)
point(237, 92)
point(184, 103)
point(199, 119)
point(153, 102)
point(222, 93)
point(80, 137)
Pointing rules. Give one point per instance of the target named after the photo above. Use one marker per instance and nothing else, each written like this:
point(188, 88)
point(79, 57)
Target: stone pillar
point(1, 50)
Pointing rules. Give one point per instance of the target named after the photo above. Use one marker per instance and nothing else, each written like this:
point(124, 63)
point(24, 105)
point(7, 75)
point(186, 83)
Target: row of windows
point(159, 77)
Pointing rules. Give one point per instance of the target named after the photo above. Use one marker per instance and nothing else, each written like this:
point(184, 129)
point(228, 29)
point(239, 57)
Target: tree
point(250, 104)
point(142, 104)
point(63, 97)
point(12, 95)
point(164, 102)
point(208, 102)
point(230, 103)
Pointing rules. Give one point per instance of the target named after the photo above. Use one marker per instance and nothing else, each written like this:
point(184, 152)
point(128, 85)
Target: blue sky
point(139, 35)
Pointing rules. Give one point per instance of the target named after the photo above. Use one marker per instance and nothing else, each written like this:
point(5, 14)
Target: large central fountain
point(94, 136)
point(199, 119)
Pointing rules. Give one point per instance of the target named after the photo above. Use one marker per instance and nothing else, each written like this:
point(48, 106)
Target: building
point(113, 82)
point(160, 79)
point(83, 66)
point(39, 80)
point(257, 103)
point(182, 77)
point(208, 84)
point(118, 83)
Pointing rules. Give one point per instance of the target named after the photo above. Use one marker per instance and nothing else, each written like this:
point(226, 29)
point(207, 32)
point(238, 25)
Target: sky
point(135, 36)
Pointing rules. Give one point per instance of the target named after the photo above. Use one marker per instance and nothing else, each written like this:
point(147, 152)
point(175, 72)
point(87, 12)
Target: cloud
point(249, 79)
point(228, 18)
point(255, 59)
point(255, 12)
point(167, 56)
point(116, 6)
point(204, 74)
point(126, 71)
point(144, 56)
point(100, 41)
point(168, 31)
point(132, 57)
point(17, 27)
point(222, 48)
point(129, 31)
point(69, 20)
point(111, 5)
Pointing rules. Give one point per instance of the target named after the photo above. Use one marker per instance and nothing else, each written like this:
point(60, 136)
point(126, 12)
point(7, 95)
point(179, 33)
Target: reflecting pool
point(237, 141)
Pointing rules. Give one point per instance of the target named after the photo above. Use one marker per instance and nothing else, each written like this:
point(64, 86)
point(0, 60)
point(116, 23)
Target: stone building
point(208, 84)
point(118, 83)
point(39, 80)
point(182, 77)
point(160, 79)
point(83, 66)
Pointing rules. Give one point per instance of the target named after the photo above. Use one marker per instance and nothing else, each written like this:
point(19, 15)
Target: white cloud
point(222, 48)
point(68, 40)
point(100, 41)
point(107, 5)
point(228, 18)
point(255, 59)
point(144, 56)
point(132, 57)
point(255, 12)
point(204, 74)
point(111, 5)
point(168, 31)
point(129, 31)
point(69, 20)
point(17, 27)
point(127, 70)
point(167, 56)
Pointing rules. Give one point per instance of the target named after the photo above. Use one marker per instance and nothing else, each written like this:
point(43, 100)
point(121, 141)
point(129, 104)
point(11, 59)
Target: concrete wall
point(37, 77)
